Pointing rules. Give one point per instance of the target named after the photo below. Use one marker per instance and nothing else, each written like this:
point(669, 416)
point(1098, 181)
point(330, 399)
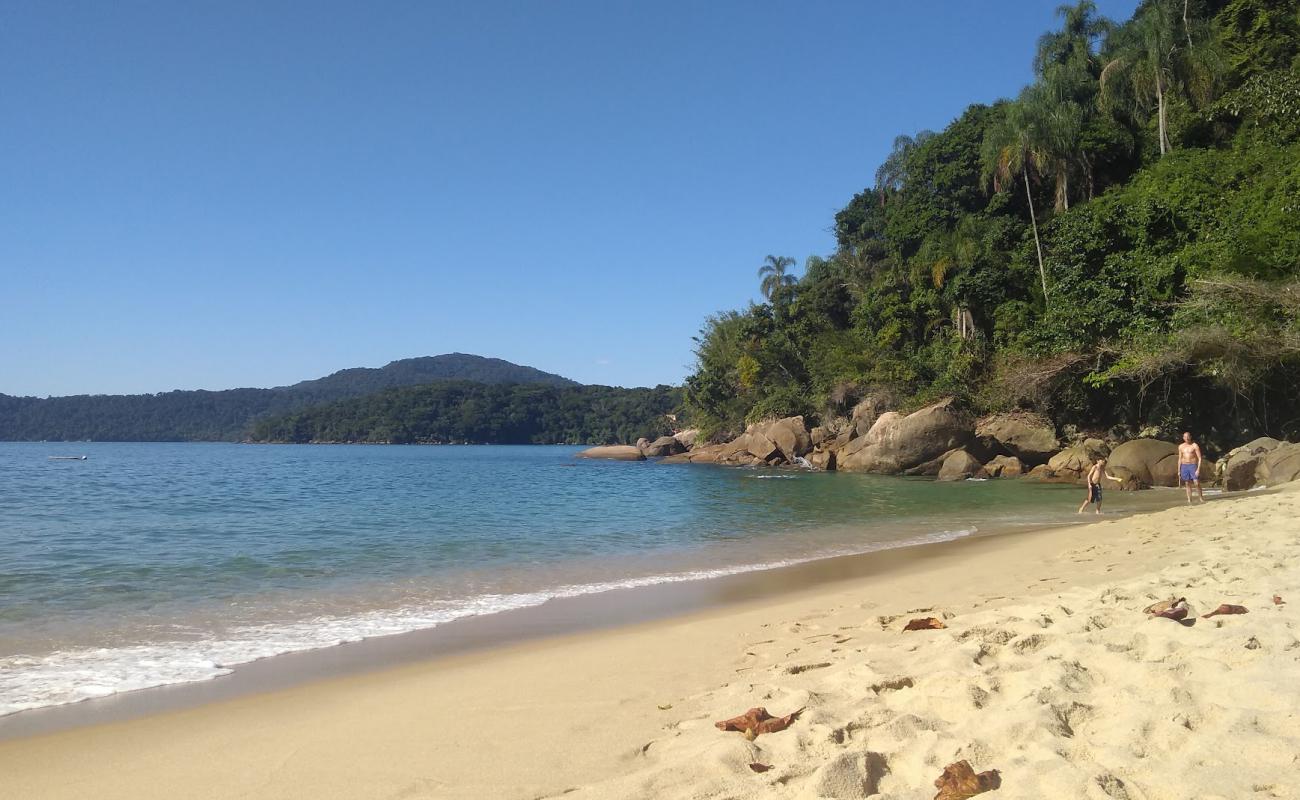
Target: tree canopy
point(1117, 246)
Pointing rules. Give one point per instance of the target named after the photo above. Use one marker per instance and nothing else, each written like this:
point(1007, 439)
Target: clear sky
point(220, 194)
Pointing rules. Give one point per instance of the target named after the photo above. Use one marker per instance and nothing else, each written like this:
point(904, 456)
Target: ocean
point(154, 564)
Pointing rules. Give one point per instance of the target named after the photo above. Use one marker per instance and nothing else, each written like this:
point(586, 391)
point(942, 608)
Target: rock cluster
point(944, 442)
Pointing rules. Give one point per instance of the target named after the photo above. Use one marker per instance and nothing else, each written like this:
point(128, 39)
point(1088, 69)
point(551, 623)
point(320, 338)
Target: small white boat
point(69, 458)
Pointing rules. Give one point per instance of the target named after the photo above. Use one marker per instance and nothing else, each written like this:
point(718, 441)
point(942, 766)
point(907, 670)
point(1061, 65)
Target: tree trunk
point(1187, 28)
point(1160, 111)
point(1042, 272)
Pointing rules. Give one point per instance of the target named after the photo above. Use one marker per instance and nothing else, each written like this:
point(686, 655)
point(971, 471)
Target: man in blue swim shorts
point(1189, 467)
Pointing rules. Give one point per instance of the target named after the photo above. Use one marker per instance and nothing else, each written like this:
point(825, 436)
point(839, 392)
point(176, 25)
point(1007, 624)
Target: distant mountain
point(416, 371)
point(228, 415)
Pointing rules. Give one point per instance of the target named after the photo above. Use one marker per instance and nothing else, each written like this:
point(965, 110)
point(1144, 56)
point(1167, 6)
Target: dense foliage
point(472, 413)
point(227, 415)
point(1119, 246)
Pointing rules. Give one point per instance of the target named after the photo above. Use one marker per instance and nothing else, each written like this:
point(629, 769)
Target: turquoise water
point(150, 564)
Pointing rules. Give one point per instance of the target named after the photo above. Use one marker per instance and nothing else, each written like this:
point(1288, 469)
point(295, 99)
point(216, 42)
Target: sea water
point(153, 564)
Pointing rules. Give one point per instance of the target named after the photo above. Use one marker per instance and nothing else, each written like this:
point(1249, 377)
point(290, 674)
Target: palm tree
point(1068, 68)
point(1075, 45)
point(1014, 147)
point(1146, 57)
point(892, 174)
point(776, 281)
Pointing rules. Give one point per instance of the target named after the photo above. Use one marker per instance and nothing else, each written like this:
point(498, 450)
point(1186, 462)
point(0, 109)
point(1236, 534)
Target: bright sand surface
point(1047, 671)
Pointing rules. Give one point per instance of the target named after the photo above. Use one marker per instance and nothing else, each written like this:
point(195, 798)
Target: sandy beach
point(1047, 671)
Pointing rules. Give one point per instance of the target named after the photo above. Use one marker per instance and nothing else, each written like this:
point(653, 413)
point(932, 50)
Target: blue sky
point(209, 195)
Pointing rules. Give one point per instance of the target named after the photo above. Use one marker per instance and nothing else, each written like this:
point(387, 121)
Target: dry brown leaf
point(1277, 600)
point(756, 721)
point(757, 767)
point(924, 623)
point(1226, 609)
point(959, 782)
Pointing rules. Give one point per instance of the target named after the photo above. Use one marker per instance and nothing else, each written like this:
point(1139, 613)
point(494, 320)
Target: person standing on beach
point(1095, 475)
point(1189, 467)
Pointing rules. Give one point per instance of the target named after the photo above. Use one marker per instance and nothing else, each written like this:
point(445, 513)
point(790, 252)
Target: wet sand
point(626, 711)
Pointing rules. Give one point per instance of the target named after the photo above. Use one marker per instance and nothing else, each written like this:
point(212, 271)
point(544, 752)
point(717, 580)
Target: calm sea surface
point(150, 564)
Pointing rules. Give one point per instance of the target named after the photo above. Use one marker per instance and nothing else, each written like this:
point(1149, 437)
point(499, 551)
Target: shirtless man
point(1095, 475)
point(1189, 467)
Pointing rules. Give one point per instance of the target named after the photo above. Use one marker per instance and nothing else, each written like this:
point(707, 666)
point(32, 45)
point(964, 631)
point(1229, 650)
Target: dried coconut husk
point(1226, 609)
point(1175, 609)
point(923, 624)
point(756, 721)
point(959, 782)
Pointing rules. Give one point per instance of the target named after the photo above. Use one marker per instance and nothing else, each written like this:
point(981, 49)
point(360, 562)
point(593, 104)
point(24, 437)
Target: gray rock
point(1029, 437)
point(960, 465)
point(616, 452)
point(1004, 467)
point(1281, 465)
point(663, 446)
point(1151, 461)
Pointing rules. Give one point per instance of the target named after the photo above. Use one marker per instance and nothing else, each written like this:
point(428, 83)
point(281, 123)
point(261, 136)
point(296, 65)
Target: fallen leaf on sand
point(1277, 600)
point(959, 782)
point(664, 706)
point(1226, 609)
point(757, 767)
point(924, 623)
point(756, 721)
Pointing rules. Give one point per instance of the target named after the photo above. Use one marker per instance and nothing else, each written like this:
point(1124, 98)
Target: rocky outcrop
point(760, 447)
point(895, 443)
point(1004, 467)
point(1280, 465)
point(1076, 460)
point(865, 414)
point(791, 437)
point(687, 438)
point(1239, 470)
point(1029, 437)
point(1151, 461)
point(663, 446)
point(616, 452)
point(960, 465)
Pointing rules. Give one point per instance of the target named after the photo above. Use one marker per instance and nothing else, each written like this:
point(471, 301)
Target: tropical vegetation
point(1118, 246)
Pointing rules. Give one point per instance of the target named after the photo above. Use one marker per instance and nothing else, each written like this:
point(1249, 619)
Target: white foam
point(72, 676)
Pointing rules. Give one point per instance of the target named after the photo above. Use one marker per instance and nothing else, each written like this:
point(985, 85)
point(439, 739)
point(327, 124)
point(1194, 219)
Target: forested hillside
point(1118, 246)
point(472, 413)
point(228, 414)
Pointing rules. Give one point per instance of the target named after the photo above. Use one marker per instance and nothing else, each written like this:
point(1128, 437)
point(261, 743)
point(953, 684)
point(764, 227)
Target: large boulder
point(663, 446)
point(822, 459)
point(960, 465)
point(1151, 461)
point(1240, 469)
point(865, 414)
point(1240, 472)
point(616, 452)
point(1280, 465)
point(1077, 459)
point(1029, 437)
point(687, 437)
point(761, 447)
point(790, 435)
point(1004, 467)
point(897, 443)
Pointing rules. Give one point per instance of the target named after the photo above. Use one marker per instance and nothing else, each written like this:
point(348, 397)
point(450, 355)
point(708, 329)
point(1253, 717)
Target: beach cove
point(1047, 670)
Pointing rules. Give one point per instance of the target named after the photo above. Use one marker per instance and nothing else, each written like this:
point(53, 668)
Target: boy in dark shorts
point(1095, 475)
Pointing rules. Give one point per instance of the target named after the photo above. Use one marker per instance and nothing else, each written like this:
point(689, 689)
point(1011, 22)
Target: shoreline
point(598, 693)
point(556, 616)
